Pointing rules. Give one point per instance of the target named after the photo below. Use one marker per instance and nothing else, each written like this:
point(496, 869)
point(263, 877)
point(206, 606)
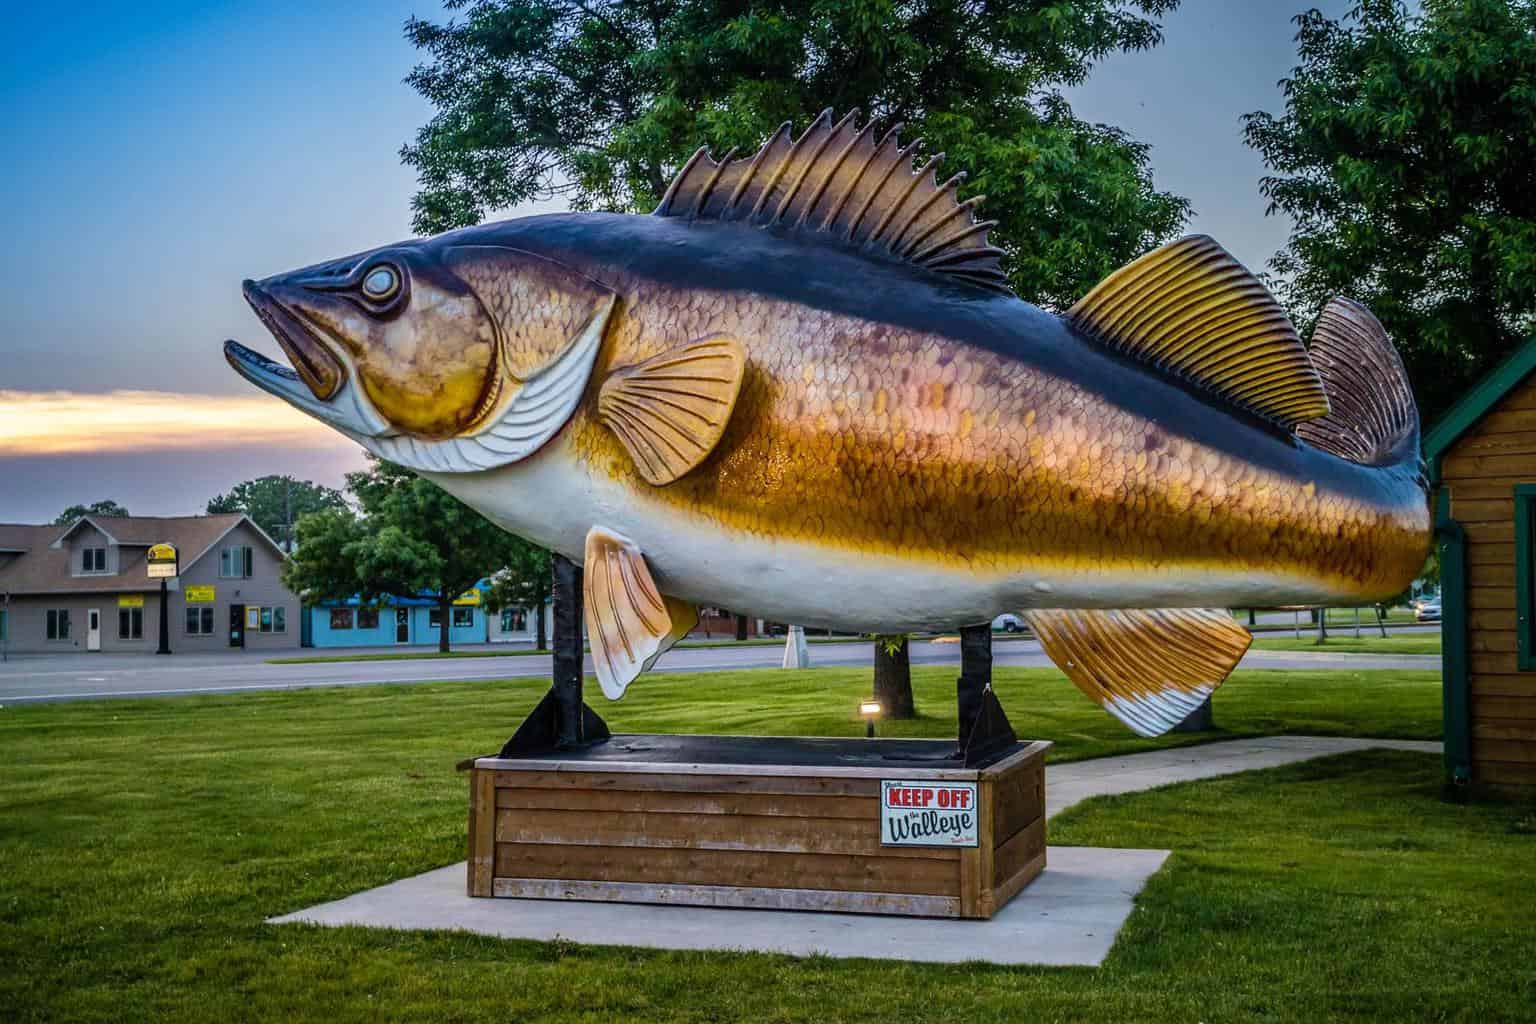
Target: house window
point(130, 623)
point(367, 618)
point(235, 562)
point(341, 618)
point(58, 623)
point(435, 618)
point(1525, 576)
point(514, 620)
point(463, 618)
point(272, 619)
point(200, 621)
point(3, 626)
point(93, 559)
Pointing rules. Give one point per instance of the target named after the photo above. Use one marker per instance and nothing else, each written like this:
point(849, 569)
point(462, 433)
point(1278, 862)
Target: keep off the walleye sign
point(928, 813)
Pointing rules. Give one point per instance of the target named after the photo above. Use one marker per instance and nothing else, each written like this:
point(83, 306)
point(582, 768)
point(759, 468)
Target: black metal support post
point(165, 619)
point(984, 728)
point(1202, 719)
point(561, 721)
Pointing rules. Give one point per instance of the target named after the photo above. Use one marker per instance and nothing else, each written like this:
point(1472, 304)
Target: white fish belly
point(551, 500)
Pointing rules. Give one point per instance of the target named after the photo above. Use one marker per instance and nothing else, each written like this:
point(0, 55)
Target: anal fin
point(671, 410)
point(1148, 667)
point(629, 623)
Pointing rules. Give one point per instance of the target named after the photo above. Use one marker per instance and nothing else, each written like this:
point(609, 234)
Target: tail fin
point(1373, 420)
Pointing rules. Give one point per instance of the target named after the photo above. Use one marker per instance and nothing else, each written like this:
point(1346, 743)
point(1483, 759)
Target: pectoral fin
point(629, 622)
point(1148, 667)
point(672, 409)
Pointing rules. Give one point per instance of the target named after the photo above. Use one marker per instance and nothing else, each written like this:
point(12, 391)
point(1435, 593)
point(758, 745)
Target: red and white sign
point(928, 813)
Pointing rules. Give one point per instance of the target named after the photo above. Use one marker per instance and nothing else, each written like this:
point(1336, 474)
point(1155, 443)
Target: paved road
point(85, 676)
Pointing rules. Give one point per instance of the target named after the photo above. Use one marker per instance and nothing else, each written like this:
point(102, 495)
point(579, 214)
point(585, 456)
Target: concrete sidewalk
point(1070, 915)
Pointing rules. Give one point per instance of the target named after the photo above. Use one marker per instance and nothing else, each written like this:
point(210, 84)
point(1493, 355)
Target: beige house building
point(86, 587)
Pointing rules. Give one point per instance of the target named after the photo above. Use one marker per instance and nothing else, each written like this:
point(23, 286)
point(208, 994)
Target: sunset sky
point(158, 153)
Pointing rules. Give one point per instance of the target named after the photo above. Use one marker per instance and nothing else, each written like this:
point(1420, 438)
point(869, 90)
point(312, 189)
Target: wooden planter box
point(766, 822)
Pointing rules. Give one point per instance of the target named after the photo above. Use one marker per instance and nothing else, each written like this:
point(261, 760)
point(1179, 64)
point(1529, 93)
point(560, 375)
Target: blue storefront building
point(402, 621)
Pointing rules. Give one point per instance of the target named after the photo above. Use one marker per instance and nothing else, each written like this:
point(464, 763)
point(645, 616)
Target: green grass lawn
point(522, 652)
point(1392, 643)
point(143, 843)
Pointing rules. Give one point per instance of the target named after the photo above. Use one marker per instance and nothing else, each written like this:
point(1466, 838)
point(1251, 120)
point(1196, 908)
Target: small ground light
point(870, 709)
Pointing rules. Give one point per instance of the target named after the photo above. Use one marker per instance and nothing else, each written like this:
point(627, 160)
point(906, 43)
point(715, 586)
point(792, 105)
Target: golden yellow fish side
point(869, 438)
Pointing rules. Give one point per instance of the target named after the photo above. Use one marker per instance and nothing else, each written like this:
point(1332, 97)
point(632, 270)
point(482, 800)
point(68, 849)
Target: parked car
point(1426, 611)
point(1008, 623)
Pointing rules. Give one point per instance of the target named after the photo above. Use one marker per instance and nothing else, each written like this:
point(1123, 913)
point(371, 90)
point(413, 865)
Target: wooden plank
point(642, 782)
point(731, 896)
point(1497, 663)
point(1500, 707)
point(1508, 421)
point(1500, 532)
point(482, 841)
point(579, 827)
point(1479, 598)
point(1499, 621)
point(1490, 510)
point(1520, 730)
point(1501, 772)
point(1010, 888)
point(1485, 488)
point(1507, 751)
point(976, 862)
point(752, 869)
point(1020, 799)
point(1492, 641)
point(1491, 575)
point(1511, 443)
point(1458, 465)
point(668, 802)
point(1519, 685)
point(1017, 852)
point(1489, 553)
point(814, 772)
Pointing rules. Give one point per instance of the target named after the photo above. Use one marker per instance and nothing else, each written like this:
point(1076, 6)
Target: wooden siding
point(1481, 470)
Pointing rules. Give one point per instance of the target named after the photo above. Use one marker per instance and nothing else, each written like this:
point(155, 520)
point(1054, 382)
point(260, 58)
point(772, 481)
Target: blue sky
point(158, 153)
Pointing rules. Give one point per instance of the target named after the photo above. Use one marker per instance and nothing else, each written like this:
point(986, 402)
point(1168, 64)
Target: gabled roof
point(46, 566)
point(1476, 404)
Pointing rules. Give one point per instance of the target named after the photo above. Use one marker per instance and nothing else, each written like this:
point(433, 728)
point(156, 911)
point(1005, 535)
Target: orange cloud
point(71, 422)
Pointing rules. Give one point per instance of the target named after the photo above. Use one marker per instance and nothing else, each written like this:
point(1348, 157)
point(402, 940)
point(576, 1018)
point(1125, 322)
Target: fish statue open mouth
point(803, 387)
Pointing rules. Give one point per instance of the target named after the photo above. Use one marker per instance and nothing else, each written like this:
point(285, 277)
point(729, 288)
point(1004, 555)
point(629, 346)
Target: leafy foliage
point(95, 508)
point(602, 102)
point(276, 503)
point(412, 536)
point(1407, 158)
point(525, 582)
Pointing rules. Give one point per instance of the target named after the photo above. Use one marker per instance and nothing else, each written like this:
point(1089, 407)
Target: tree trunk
point(444, 617)
point(741, 627)
point(543, 635)
point(893, 681)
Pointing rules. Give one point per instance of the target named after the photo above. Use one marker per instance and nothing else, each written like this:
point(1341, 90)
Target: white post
point(796, 655)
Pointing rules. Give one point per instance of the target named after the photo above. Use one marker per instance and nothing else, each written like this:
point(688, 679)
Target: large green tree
point(601, 102)
point(1406, 157)
point(526, 581)
point(411, 536)
point(276, 503)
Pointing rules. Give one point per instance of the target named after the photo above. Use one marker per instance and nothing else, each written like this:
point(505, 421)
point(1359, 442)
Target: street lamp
point(869, 710)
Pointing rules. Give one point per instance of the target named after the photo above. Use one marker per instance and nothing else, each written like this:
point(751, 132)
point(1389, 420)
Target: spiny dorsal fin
point(1149, 667)
point(1193, 310)
point(1374, 420)
point(839, 181)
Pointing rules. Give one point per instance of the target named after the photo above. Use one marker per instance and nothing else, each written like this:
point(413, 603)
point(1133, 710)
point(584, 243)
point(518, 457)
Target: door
point(93, 630)
point(402, 625)
point(237, 625)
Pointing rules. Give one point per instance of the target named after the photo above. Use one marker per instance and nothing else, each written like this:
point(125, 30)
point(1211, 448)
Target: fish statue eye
point(381, 283)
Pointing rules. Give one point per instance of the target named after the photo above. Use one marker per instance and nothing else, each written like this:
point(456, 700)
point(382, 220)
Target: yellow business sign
point(161, 561)
point(199, 595)
point(130, 600)
point(470, 596)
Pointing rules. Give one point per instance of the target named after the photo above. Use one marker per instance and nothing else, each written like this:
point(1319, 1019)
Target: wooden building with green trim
point(1482, 466)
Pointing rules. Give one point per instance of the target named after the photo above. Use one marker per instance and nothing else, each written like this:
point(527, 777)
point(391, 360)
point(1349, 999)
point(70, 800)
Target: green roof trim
point(1474, 405)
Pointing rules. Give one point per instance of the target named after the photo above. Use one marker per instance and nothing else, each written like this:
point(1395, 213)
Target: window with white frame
point(93, 559)
point(273, 619)
point(463, 618)
point(235, 562)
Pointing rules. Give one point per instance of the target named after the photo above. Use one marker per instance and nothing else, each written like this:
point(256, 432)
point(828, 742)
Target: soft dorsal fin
point(1149, 667)
point(840, 182)
point(1193, 310)
point(1374, 420)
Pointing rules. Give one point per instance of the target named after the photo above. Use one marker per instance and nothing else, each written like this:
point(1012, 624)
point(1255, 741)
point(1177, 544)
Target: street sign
point(130, 600)
point(200, 594)
point(161, 561)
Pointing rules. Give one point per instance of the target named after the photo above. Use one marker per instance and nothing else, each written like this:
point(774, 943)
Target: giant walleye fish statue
point(803, 387)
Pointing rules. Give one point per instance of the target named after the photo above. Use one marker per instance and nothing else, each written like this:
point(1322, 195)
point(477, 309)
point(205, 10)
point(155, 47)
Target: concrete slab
point(1070, 915)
